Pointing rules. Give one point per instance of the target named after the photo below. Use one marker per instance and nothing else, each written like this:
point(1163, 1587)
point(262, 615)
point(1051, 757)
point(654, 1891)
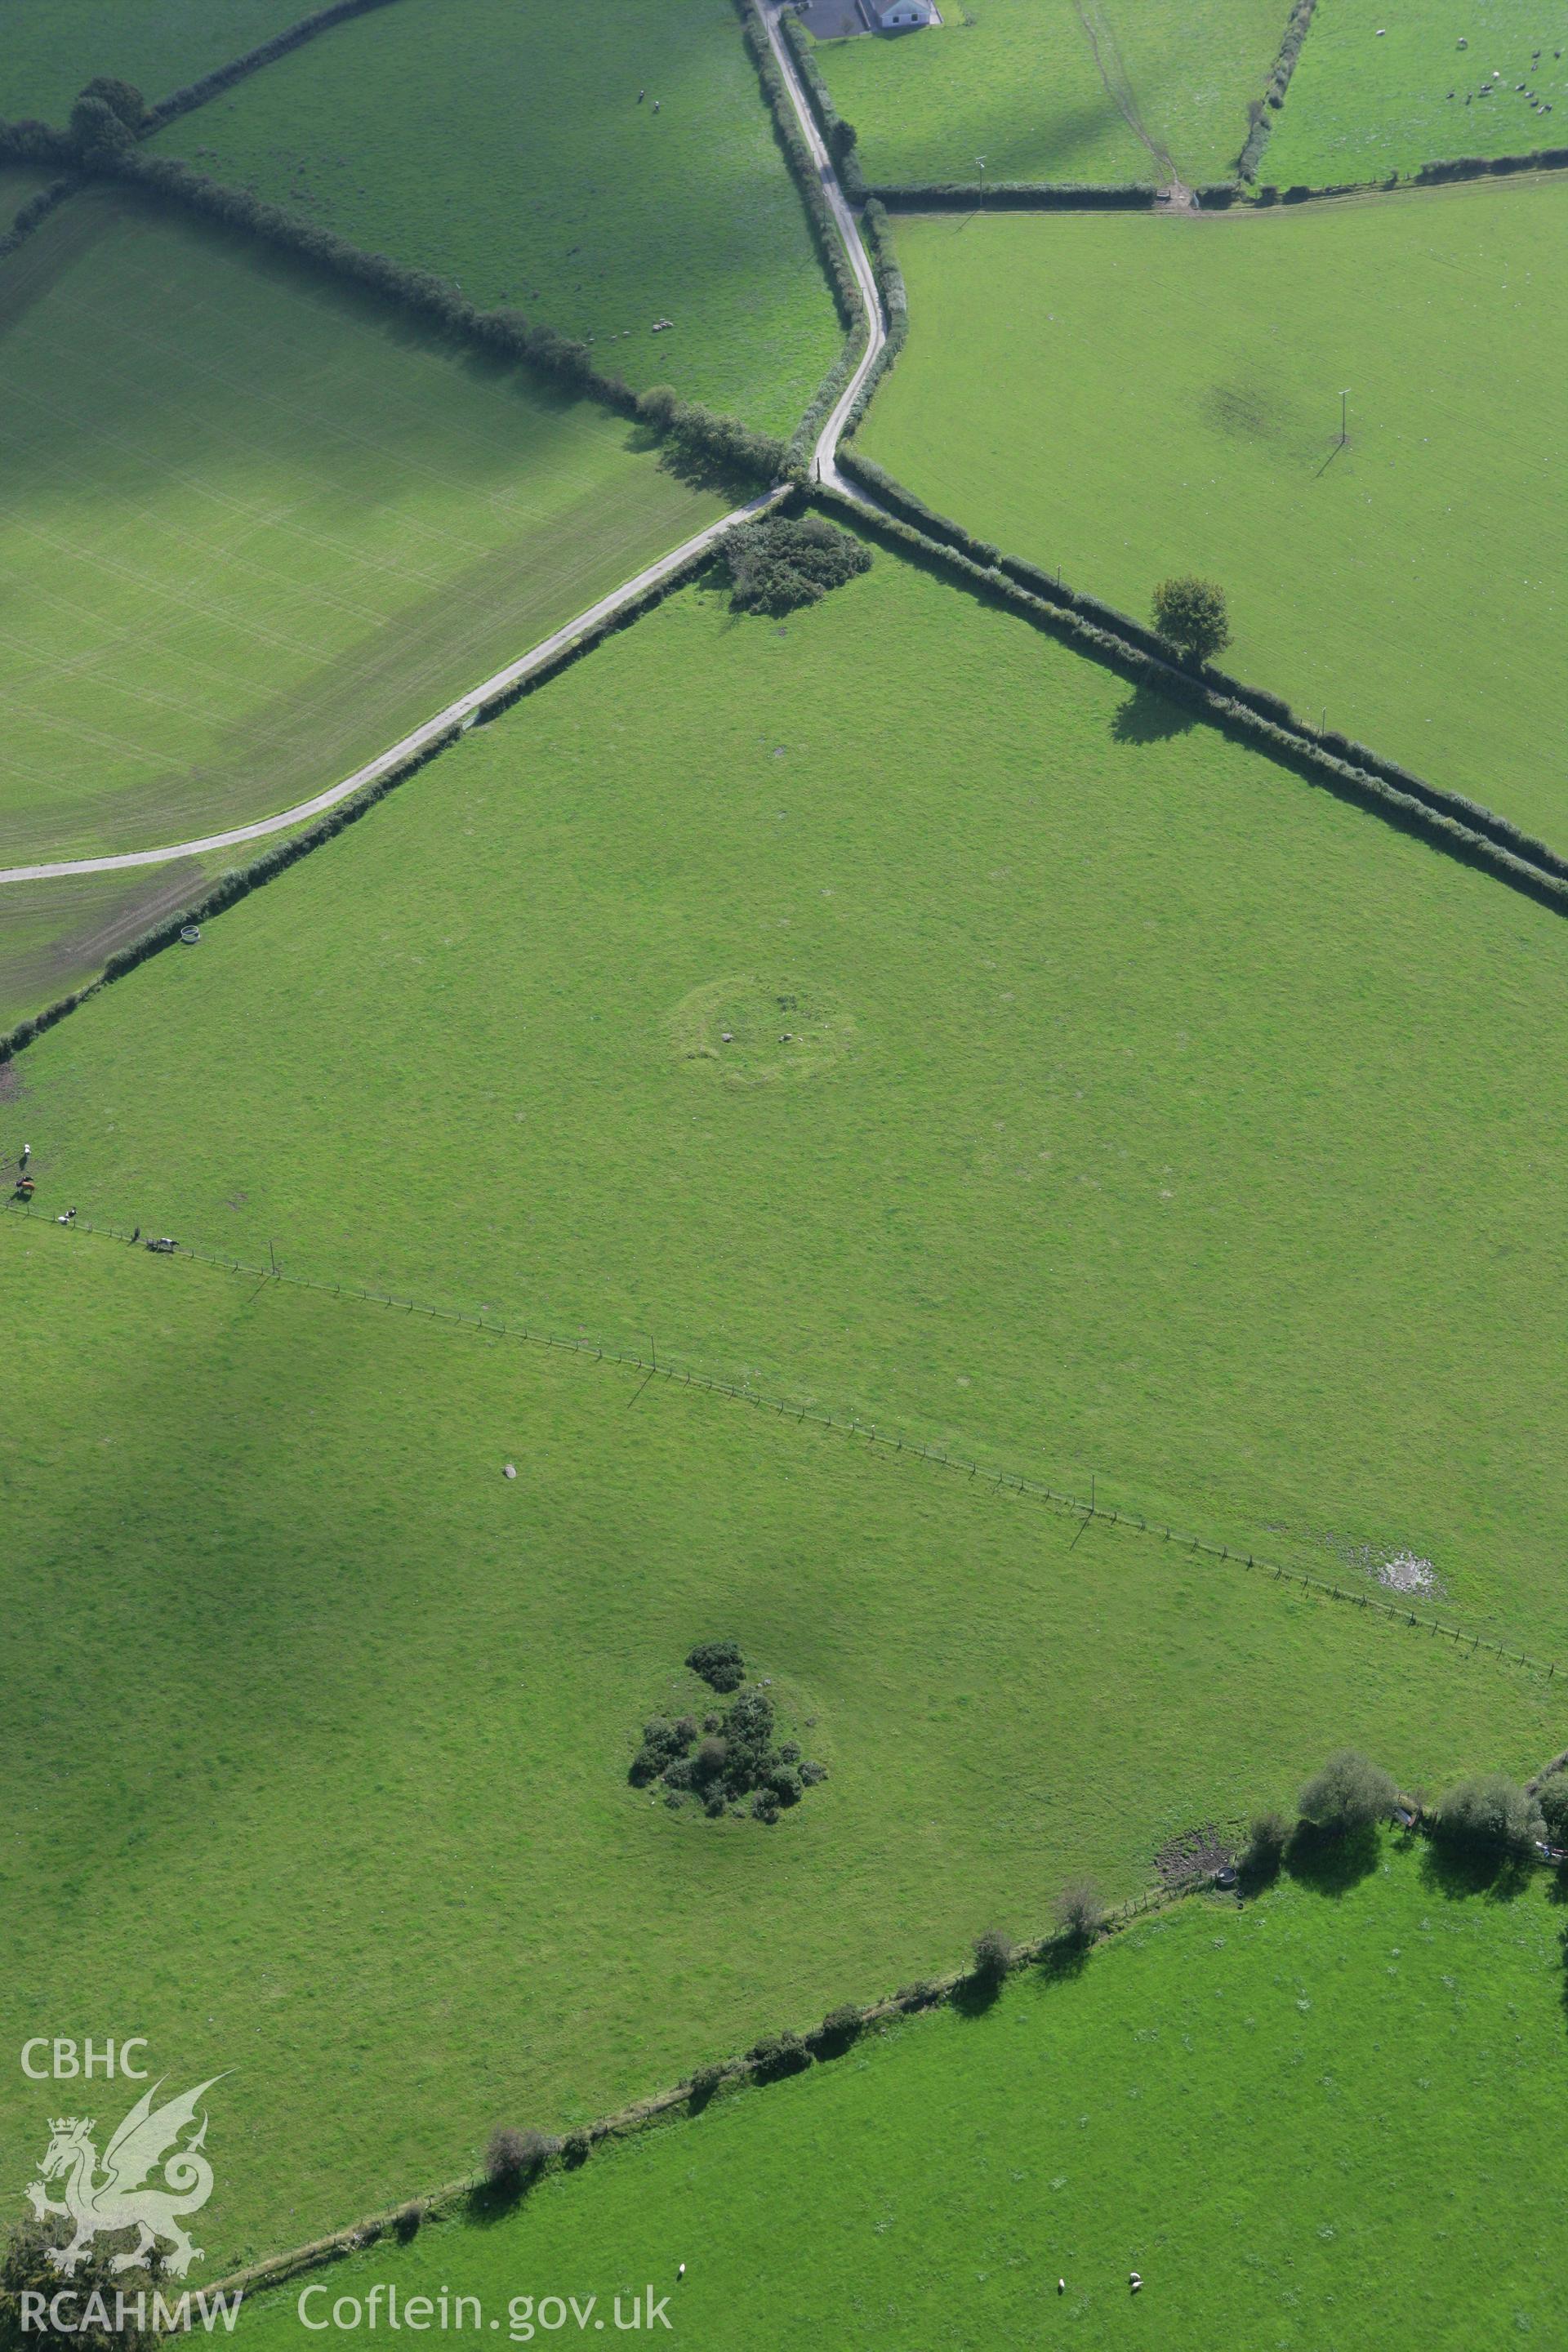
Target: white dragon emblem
point(119, 2199)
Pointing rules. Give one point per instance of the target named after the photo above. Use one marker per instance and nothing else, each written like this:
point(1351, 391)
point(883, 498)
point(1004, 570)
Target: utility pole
point(1344, 434)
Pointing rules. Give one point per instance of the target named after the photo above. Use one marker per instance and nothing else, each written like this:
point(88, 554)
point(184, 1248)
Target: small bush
point(513, 2157)
point(842, 2026)
point(778, 564)
point(765, 1806)
point(1267, 1839)
point(575, 2150)
point(777, 2054)
point(1080, 1914)
point(789, 1753)
point(720, 1664)
point(812, 1775)
point(784, 1782)
point(993, 1957)
point(705, 2081)
point(408, 2221)
point(1348, 1793)
point(1490, 1814)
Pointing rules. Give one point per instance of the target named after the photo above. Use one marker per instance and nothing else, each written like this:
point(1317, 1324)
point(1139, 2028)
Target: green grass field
point(1019, 82)
point(281, 1637)
point(1315, 2124)
point(1411, 583)
point(1170, 1138)
point(18, 183)
point(1365, 101)
point(501, 144)
point(252, 533)
point(49, 48)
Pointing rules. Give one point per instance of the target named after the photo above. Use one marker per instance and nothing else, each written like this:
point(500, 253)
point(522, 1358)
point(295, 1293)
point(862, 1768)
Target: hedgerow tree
point(1192, 613)
point(1553, 1799)
point(122, 98)
point(1080, 1914)
point(1347, 1794)
point(1490, 1814)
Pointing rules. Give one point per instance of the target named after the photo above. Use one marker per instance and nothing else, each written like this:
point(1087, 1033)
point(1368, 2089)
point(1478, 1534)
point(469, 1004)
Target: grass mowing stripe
point(252, 612)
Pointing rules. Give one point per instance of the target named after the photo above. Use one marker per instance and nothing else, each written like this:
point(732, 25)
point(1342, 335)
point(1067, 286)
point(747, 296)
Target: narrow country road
point(824, 468)
point(467, 706)
point(824, 457)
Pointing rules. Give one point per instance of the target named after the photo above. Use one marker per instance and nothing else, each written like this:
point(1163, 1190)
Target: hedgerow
point(222, 77)
point(837, 135)
point(1469, 832)
point(1274, 91)
point(824, 228)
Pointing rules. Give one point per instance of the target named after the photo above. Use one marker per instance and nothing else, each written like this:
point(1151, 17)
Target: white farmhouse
point(902, 16)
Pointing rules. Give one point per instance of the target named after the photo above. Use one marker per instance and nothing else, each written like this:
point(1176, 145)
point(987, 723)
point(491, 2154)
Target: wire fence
point(881, 1439)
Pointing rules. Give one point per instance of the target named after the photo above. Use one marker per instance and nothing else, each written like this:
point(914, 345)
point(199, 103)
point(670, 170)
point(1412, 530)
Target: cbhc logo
point(64, 2059)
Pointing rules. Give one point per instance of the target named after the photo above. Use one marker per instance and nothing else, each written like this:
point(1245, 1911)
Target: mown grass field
point(502, 144)
point(1316, 2123)
point(1375, 93)
point(1017, 81)
point(1170, 1138)
point(1411, 583)
point(282, 1637)
point(49, 48)
point(253, 533)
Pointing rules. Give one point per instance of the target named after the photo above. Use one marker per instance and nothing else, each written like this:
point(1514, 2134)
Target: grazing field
point(1245, 2108)
point(18, 183)
point(49, 48)
point(1046, 90)
point(1099, 1097)
point(502, 144)
point(281, 1634)
point(1376, 91)
point(253, 533)
point(1412, 582)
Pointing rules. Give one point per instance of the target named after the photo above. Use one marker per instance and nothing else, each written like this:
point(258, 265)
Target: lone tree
point(1191, 613)
point(1348, 1794)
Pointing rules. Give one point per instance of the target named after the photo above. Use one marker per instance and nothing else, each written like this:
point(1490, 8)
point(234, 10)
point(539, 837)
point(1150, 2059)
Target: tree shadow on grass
point(1460, 1873)
point(1331, 1864)
point(1063, 1958)
point(496, 2201)
point(1148, 718)
point(974, 1995)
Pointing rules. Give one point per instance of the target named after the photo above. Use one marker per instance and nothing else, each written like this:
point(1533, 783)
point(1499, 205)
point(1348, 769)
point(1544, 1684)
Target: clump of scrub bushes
point(734, 1755)
point(780, 563)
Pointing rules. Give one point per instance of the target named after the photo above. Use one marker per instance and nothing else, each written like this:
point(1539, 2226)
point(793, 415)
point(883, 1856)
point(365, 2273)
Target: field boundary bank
point(889, 1442)
point(1210, 196)
point(1473, 833)
point(735, 2073)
